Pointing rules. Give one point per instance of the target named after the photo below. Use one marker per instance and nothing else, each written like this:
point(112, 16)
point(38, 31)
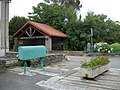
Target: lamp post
point(91, 30)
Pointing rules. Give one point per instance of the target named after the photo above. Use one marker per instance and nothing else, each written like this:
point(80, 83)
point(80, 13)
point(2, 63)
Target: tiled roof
point(44, 28)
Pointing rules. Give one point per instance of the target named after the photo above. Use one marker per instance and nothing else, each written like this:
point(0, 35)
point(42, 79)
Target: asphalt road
point(13, 81)
point(115, 61)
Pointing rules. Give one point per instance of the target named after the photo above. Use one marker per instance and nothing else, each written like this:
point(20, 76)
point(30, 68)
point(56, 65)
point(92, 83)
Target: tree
point(97, 23)
point(113, 33)
point(63, 19)
point(102, 27)
point(54, 15)
point(74, 3)
point(15, 24)
point(77, 36)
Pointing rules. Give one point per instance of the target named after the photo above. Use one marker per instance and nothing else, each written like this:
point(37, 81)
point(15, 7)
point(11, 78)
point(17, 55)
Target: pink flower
point(98, 50)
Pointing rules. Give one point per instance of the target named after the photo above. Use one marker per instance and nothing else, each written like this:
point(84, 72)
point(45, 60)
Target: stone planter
point(93, 72)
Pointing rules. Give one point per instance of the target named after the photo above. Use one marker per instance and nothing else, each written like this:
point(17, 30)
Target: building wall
point(4, 21)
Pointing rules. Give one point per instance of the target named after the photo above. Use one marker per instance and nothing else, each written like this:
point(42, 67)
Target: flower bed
point(94, 66)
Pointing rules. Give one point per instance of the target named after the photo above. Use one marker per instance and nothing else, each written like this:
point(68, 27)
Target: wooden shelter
point(33, 33)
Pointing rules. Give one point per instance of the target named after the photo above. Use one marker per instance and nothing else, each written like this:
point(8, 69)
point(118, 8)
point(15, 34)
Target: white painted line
point(77, 68)
point(27, 74)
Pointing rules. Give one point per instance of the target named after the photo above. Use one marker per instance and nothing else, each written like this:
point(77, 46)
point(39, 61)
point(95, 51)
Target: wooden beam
point(24, 31)
point(33, 33)
point(32, 37)
point(39, 31)
point(30, 31)
point(27, 33)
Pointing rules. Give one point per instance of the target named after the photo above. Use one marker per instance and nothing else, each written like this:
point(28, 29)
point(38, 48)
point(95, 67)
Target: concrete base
point(2, 52)
point(93, 72)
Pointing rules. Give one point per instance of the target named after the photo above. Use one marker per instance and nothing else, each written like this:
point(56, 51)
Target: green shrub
point(116, 47)
point(11, 42)
point(102, 47)
point(19, 63)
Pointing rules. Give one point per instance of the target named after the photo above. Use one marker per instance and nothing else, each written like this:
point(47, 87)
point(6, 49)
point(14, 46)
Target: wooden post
point(15, 44)
point(48, 43)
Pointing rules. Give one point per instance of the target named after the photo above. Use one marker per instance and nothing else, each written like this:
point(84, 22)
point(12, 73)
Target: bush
point(116, 47)
point(102, 48)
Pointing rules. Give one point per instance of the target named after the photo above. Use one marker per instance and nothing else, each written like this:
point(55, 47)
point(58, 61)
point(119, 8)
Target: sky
point(111, 8)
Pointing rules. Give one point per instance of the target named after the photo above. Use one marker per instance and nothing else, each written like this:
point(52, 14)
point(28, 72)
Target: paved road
point(10, 80)
point(13, 81)
point(115, 60)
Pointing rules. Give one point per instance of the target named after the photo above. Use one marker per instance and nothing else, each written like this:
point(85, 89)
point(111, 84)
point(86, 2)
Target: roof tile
point(47, 29)
point(44, 28)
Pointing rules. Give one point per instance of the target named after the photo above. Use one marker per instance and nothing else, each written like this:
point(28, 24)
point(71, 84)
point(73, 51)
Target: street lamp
point(91, 30)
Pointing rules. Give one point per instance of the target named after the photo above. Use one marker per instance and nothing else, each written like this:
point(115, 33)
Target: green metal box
point(30, 52)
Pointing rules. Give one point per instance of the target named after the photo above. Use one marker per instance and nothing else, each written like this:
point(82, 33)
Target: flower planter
point(93, 72)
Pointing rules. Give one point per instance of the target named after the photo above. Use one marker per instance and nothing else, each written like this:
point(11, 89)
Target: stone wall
point(72, 53)
point(7, 62)
point(11, 54)
point(11, 59)
point(52, 57)
point(2, 64)
point(49, 59)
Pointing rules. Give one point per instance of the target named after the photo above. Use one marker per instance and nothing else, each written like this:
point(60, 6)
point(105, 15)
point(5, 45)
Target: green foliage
point(11, 42)
point(116, 47)
point(93, 62)
point(102, 27)
point(15, 24)
point(54, 15)
point(77, 36)
point(63, 19)
point(74, 3)
point(19, 63)
point(96, 22)
point(102, 48)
